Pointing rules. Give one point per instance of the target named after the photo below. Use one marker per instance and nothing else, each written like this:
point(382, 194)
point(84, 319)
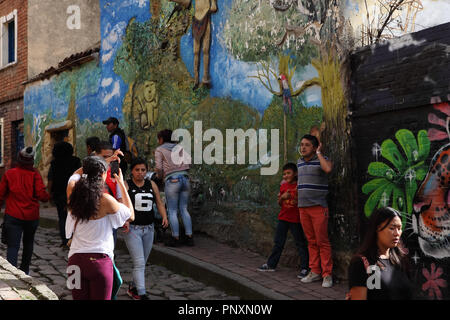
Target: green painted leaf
point(373, 185)
point(374, 198)
point(380, 169)
point(408, 142)
point(390, 152)
point(385, 198)
point(424, 145)
point(398, 199)
point(421, 173)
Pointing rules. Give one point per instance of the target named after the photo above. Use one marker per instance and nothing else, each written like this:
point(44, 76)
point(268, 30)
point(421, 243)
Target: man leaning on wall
point(313, 168)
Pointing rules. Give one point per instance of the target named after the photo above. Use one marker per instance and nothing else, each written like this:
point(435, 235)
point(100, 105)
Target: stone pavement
point(49, 263)
point(233, 270)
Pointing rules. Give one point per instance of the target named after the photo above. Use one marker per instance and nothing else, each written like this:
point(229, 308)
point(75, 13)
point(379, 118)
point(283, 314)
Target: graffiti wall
point(231, 64)
point(401, 132)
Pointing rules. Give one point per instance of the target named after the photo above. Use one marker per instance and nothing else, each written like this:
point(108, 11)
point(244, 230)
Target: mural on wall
point(419, 190)
point(432, 222)
point(397, 186)
point(152, 102)
point(165, 64)
point(57, 105)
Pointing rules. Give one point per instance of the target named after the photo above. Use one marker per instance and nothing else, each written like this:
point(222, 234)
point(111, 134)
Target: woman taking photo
point(380, 269)
point(93, 216)
point(176, 185)
point(139, 239)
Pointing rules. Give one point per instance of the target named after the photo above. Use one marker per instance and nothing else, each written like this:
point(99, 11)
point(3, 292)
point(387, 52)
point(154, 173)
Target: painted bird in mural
point(287, 101)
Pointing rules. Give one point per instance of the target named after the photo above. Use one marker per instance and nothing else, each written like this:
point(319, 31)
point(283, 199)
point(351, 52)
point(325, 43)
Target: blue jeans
point(139, 242)
point(177, 189)
point(14, 228)
point(280, 239)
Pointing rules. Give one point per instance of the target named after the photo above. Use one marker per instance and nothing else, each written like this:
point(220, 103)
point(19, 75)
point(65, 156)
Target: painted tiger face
point(431, 206)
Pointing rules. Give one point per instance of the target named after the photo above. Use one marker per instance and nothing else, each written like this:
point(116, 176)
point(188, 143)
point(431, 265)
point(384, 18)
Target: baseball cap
point(111, 120)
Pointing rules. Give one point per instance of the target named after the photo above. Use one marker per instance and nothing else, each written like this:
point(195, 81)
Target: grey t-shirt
point(312, 183)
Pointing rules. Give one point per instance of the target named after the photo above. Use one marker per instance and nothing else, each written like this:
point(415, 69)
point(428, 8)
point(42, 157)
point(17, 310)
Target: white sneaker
point(311, 277)
point(327, 282)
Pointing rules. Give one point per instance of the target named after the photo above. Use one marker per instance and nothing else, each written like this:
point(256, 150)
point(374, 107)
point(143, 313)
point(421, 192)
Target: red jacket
point(23, 189)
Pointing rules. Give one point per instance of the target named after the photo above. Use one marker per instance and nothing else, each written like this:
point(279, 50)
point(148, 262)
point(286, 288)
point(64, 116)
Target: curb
point(186, 265)
point(36, 287)
point(229, 282)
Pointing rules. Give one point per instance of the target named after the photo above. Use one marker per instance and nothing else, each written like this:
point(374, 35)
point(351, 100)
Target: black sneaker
point(265, 267)
point(303, 273)
point(144, 297)
point(189, 241)
point(132, 292)
point(173, 242)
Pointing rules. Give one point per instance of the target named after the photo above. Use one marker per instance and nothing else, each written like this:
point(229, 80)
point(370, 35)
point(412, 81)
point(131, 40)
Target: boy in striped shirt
point(313, 169)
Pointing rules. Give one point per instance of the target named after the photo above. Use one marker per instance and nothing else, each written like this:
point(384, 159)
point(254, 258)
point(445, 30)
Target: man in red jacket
point(22, 188)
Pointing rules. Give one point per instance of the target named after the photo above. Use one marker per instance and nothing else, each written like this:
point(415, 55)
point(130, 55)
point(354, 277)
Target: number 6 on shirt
point(143, 202)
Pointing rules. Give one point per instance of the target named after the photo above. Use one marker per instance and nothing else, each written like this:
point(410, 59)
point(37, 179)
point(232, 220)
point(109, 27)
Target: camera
point(114, 168)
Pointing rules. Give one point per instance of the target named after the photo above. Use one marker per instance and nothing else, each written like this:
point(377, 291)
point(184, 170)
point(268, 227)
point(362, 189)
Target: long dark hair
point(381, 218)
point(84, 201)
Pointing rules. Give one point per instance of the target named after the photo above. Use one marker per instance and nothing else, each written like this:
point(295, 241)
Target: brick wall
point(400, 90)
point(11, 79)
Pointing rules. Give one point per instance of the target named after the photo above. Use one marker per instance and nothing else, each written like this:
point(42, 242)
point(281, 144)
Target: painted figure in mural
point(177, 187)
point(382, 252)
point(118, 140)
point(147, 102)
point(93, 216)
point(286, 93)
point(288, 219)
point(22, 188)
point(139, 240)
point(63, 165)
point(313, 168)
point(201, 32)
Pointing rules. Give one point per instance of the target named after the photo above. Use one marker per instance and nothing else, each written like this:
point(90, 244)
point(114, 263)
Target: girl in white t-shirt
point(92, 217)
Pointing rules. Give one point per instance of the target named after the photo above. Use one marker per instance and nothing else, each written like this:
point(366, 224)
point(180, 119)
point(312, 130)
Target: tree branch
point(306, 85)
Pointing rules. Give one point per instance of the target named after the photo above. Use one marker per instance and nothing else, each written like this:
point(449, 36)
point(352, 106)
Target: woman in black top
point(140, 234)
point(380, 270)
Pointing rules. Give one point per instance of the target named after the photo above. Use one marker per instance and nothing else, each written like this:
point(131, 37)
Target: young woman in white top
point(92, 217)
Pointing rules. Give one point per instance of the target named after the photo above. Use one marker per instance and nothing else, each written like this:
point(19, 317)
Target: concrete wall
point(400, 105)
point(50, 40)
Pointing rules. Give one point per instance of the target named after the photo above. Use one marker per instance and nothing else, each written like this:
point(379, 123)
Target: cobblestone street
point(50, 261)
